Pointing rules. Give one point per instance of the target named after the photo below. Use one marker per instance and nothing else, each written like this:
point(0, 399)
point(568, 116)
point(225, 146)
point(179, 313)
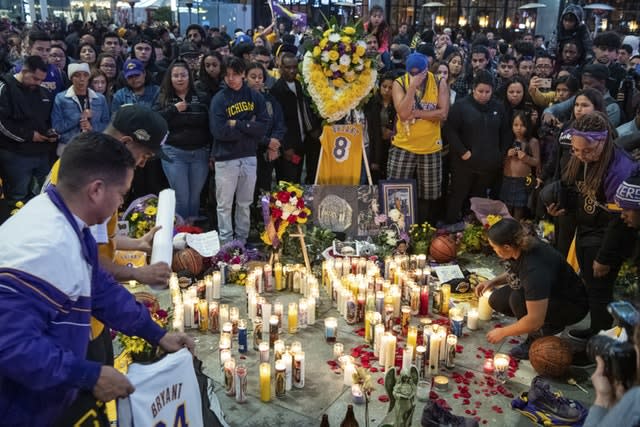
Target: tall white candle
point(407, 355)
point(162, 250)
point(349, 370)
point(311, 310)
point(389, 351)
point(188, 313)
point(434, 353)
point(472, 319)
point(287, 358)
point(484, 309)
point(377, 339)
point(217, 282)
point(266, 316)
point(208, 288)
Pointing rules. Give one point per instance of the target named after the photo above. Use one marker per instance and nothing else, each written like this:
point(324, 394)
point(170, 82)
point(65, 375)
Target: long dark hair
point(167, 92)
point(594, 96)
point(595, 174)
point(526, 121)
point(510, 232)
point(204, 77)
point(515, 80)
point(382, 31)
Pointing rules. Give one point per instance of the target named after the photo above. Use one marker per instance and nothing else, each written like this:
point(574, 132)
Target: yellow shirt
point(420, 136)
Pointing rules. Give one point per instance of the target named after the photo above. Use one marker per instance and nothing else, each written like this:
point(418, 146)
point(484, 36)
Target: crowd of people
point(550, 130)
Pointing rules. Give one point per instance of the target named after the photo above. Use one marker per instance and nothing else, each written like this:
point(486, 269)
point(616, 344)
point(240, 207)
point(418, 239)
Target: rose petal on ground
point(383, 398)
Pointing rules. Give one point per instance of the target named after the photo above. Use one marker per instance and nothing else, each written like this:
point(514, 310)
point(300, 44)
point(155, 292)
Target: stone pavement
point(324, 391)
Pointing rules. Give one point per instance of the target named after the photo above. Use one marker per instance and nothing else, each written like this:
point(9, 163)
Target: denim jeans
point(187, 174)
point(235, 178)
point(18, 172)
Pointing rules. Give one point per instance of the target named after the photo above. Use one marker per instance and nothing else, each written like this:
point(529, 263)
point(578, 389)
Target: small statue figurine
point(402, 390)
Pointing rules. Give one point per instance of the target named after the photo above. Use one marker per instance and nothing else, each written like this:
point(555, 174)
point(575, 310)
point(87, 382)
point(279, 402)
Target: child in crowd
point(520, 165)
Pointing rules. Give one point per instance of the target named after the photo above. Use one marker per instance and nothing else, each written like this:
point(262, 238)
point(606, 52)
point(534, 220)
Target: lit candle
point(278, 350)
point(277, 269)
point(415, 300)
point(293, 318)
point(388, 350)
point(450, 352)
point(422, 390)
point(407, 356)
point(412, 336)
point(501, 365)
point(298, 370)
point(263, 348)
point(273, 330)
point(225, 355)
point(472, 319)
point(224, 313)
point(442, 333)
point(356, 394)
point(214, 316)
point(253, 305)
point(234, 317)
point(330, 329)
point(302, 313)
point(377, 340)
point(278, 310)
point(421, 352)
point(229, 374)
point(188, 313)
point(434, 352)
point(349, 370)
point(268, 278)
point(396, 296)
point(424, 300)
point(405, 319)
point(487, 368)
point(132, 283)
point(484, 309)
point(257, 273)
point(446, 295)
point(265, 382)
point(203, 315)
point(287, 359)
point(441, 383)
point(216, 284)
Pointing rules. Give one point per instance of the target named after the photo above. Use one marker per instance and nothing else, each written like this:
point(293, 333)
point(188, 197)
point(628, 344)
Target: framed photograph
point(399, 195)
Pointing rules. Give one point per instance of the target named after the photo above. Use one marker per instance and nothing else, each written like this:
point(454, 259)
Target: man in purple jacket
point(51, 283)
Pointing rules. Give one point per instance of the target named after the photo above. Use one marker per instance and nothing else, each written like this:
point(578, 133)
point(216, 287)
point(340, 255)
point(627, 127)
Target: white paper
point(206, 244)
point(162, 250)
point(448, 272)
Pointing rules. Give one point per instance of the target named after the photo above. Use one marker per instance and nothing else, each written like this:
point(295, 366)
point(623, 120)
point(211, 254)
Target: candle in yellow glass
point(412, 337)
point(293, 318)
point(446, 294)
point(265, 382)
point(484, 309)
point(277, 269)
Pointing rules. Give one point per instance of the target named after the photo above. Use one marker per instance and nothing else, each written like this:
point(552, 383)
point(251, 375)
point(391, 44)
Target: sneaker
point(435, 415)
point(582, 360)
point(581, 334)
point(555, 404)
point(521, 351)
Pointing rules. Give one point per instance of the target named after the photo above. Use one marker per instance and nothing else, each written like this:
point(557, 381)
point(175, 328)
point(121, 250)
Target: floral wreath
point(336, 71)
point(281, 208)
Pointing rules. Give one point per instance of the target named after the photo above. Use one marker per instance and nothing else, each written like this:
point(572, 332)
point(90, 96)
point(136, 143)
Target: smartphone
point(624, 312)
point(545, 83)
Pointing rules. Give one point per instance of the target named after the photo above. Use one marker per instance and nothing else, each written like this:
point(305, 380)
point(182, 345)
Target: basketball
point(187, 259)
point(550, 356)
point(443, 249)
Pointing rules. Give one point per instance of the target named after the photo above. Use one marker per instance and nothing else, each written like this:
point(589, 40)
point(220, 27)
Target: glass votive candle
point(357, 394)
point(441, 383)
point(501, 367)
point(263, 347)
point(422, 391)
point(338, 350)
point(487, 368)
point(330, 329)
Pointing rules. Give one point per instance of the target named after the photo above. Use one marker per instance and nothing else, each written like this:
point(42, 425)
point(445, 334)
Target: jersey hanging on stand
point(341, 158)
point(167, 394)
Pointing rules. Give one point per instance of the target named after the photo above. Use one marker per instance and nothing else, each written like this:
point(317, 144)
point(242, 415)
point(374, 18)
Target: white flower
point(293, 201)
point(359, 67)
point(285, 215)
point(334, 37)
point(278, 203)
point(395, 215)
point(362, 43)
point(324, 56)
point(334, 67)
point(345, 59)
point(349, 74)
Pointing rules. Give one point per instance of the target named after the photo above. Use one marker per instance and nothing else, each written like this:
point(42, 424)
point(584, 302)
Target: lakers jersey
point(341, 159)
point(167, 394)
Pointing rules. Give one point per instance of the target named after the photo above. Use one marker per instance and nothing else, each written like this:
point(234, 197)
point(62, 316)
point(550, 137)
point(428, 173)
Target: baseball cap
point(417, 60)
point(145, 126)
point(242, 38)
point(597, 71)
point(400, 53)
point(78, 68)
point(132, 67)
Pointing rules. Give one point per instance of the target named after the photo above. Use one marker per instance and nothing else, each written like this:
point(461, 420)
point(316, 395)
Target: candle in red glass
point(488, 366)
point(424, 300)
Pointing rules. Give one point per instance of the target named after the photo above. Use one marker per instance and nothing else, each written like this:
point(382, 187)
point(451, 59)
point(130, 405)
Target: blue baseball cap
point(417, 60)
point(132, 67)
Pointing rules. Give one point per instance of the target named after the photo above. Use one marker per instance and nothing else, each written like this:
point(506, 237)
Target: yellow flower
point(327, 33)
point(347, 48)
point(334, 55)
point(150, 210)
point(328, 72)
point(349, 31)
point(19, 205)
point(323, 43)
point(344, 68)
point(317, 51)
point(360, 50)
point(345, 39)
point(338, 82)
point(134, 216)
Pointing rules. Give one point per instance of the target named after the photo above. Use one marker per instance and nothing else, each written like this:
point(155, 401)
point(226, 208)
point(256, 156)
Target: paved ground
point(324, 391)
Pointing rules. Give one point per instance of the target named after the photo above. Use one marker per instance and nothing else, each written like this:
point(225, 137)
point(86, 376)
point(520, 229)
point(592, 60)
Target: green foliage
point(163, 14)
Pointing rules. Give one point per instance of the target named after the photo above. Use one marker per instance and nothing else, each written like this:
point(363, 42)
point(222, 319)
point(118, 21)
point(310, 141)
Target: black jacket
point(188, 130)
point(23, 111)
point(289, 103)
point(378, 147)
point(482, 129)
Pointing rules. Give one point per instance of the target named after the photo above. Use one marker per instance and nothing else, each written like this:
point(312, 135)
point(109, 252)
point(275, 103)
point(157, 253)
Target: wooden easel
point(275, 255)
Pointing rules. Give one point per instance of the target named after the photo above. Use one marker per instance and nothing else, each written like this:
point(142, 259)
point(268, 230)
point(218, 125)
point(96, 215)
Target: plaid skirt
point(514, 192)
point(426, 168)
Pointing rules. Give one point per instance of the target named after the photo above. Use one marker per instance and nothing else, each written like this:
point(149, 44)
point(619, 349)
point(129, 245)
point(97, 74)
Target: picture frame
point(401, 195)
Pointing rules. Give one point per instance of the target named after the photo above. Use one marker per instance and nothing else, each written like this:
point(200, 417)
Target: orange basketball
point(550, 356)
point(443, 249)
point(187, 259)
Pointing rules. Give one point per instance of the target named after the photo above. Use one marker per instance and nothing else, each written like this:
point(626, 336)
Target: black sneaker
point(581, 334)
point(582, 360)
point(555, 404)
point(435, 415)
point(521, 351)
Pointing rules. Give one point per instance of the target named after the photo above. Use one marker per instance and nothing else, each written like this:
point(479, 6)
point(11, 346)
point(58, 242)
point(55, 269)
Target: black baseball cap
point(145, 126)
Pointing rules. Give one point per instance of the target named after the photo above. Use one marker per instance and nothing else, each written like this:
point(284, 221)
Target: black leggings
point(511, 302)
